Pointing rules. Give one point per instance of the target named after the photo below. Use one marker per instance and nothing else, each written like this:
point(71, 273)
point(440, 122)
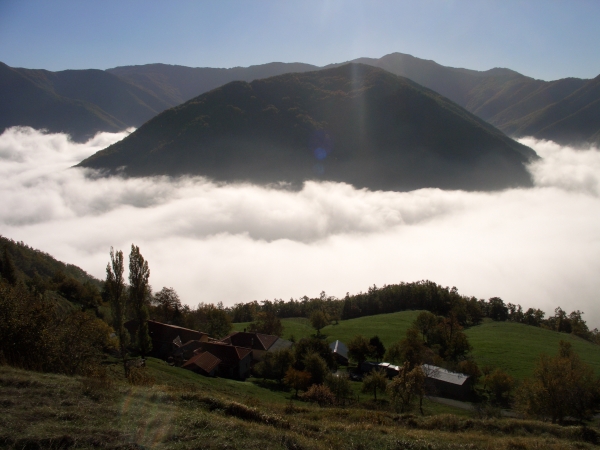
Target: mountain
point(177, 84)
point(354, 123)
point(83, 102)
point(573, 120)
point(516, 104)
point(78, 102)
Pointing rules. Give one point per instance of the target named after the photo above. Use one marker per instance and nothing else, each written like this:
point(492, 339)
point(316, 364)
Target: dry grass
point(57, 412)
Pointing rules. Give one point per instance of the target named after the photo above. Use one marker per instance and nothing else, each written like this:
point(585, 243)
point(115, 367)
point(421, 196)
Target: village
point(235, 356)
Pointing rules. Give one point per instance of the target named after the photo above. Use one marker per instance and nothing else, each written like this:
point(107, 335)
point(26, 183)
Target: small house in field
point(444, 383)
point(340, 352)
point(166, 338)
point(259, 343)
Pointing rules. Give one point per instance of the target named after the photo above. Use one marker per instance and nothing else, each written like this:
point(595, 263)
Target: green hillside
point(511, 346)
point(516, 347)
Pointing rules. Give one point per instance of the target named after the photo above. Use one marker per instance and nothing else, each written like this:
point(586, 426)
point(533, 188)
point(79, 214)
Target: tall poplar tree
point(115, 286)
point(139, 297)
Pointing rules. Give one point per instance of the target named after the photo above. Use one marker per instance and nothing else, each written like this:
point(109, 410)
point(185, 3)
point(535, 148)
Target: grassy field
point(516, 347)
point(389, 327)
point(513, 347)
point(185, 411)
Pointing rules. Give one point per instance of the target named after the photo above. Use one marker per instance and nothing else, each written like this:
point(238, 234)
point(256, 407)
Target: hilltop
point(355, 124)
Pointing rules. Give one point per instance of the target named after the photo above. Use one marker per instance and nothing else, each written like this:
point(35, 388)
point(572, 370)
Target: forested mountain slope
point(354, 123)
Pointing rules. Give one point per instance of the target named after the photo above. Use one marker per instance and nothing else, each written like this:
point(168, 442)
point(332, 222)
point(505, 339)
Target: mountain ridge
point(354, 123)
point(510, 101)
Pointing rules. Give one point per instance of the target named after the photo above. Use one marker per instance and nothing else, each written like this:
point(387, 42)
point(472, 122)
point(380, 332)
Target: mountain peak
point(353, 123)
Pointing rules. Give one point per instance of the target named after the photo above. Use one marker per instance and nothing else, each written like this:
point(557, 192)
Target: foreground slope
point(187, 411)
point(355, 124)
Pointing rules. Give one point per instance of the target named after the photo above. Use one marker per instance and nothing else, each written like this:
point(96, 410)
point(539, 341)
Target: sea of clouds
point(538, 247)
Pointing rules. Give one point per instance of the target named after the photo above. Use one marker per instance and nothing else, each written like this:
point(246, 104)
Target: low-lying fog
point(539, 247)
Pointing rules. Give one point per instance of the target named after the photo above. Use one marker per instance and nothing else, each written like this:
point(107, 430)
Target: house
point(259, 343)
point(444, 383)
point(187, 350)
point(340, 352)
point(235, 362)
point(166, 338)
point(389, 369)
point(204, 363)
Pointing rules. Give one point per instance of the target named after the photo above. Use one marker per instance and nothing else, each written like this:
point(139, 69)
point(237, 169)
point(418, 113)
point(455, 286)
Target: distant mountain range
point(83, 102)
point(353, 123)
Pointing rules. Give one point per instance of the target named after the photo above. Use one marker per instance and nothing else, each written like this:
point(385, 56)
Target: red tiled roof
point(227, 353)
point(205, 361)
point(255, 341)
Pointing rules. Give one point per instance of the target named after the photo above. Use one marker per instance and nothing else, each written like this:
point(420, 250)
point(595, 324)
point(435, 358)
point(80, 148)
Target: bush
point(319, 393)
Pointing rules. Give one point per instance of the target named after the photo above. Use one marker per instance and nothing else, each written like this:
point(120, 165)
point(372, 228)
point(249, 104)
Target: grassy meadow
point(511, 346)
point(177, 409)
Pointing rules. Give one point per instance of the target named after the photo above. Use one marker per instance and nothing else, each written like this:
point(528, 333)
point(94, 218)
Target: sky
point(545, 39)
point(538, 247)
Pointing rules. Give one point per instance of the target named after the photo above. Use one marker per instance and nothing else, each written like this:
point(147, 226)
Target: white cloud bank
point(539, 247)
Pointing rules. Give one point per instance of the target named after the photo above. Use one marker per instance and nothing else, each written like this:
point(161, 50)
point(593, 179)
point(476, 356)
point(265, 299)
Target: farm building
point(204, 363)
point(444, 383)
point(340, 352)
point(259, 343)
point(235, 362)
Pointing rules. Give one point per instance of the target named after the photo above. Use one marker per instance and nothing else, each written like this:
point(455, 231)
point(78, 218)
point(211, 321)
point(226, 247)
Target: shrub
point(320, 394)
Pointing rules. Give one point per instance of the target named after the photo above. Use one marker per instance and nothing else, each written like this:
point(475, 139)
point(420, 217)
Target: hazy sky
point(546, 39)
point(538, 247)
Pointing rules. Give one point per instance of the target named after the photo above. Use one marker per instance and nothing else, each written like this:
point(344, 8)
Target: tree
point(470, 368)
point(408, 384)
point(425, 323)
point(378, 347)
point(561, 386)
point(168, 305)
point(375, 381)
point(319, 320)
point(267, 323)
point(317, 367)
point(410, 349)
point(359, 348)
point(497, 309)
point(339, 385)
point(7, 268)
point(498, 384)
point(275, 364)
point(453, 342)
point(139, 298)
point(282, 360)
point(312, 345)
point(297, 379)
point(115, 285)
point(218, 322)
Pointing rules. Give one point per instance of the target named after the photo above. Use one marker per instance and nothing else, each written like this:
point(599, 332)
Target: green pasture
point(511, 346)
point(516, 347)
